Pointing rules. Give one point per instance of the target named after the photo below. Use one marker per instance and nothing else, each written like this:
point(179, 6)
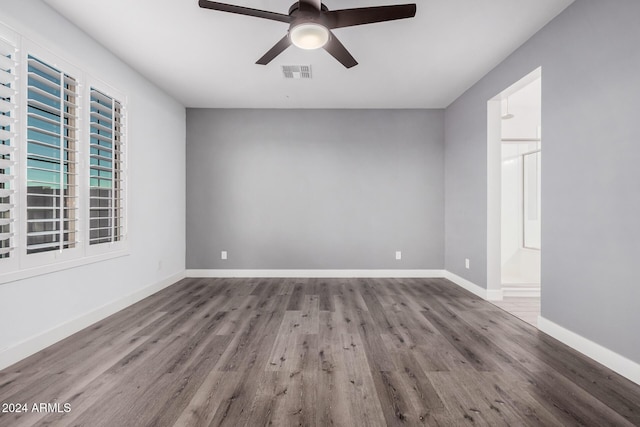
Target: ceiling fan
point(310, 24)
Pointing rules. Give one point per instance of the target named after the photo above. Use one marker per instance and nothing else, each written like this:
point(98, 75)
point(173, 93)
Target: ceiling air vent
point(296, 71)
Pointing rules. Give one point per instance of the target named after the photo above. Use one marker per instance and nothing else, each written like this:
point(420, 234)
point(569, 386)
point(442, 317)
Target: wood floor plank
point(268, 406)
point(504, 395)
point(283, 352)
point(324, 294)
point(423, 401)
point(332, 396)
point(216, 388)
point(236, 310)
point(356, 382)
point(249, 357)
point(464, 407)
point(295, 301)
point(464, 343)
point(571, 404)
point(617, 393)
point(395, 404)
point(291, 397)
point(316, 352)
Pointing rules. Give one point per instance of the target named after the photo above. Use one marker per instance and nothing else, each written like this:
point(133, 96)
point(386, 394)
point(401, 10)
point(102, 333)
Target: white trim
point(487, 294)
point(12, 40)
point(119, 97)
point(42, 340)
point(29, 262)
point(612, 360)
point(531, 291)
point(51, 268)
point(494, 183)
point(20, 265)
point(318, 273)
point(494, 193)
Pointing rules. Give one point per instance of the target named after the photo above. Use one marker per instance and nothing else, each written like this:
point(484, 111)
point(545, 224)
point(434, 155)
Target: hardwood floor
point(315, 352)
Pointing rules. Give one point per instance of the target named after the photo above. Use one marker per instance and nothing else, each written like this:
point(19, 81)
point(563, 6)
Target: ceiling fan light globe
point(309, 36)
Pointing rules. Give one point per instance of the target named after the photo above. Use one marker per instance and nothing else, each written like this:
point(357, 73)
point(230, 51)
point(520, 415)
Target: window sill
point(52, 268)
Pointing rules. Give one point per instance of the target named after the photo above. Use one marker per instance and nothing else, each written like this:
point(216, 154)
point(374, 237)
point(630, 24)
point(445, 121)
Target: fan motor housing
point(306, 14)
point(296, 6)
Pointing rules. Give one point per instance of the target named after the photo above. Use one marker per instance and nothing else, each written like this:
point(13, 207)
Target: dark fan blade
point(223, 7)
point(276, 50)
point(368, 15)
point(338, 51)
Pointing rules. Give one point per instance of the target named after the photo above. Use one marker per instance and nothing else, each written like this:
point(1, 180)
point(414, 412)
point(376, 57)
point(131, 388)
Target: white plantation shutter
point(7, 148)
point(106, 167)
point(52, 158)
point(57, 211)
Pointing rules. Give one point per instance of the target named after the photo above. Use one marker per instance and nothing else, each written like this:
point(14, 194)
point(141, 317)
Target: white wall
point(35, 312)
point(526, 106)
point(519, 264)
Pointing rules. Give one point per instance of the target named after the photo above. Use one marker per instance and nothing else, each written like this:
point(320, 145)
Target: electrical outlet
point(466, 263)
point(223, 255)
point(398, 255)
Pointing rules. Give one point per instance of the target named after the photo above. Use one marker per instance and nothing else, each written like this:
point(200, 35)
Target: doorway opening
point(514, 216)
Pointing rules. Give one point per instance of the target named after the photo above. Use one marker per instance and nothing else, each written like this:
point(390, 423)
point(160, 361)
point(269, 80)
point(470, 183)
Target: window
point(62, 163)
point(52, 159)
point(106, 215)
point(7, 148)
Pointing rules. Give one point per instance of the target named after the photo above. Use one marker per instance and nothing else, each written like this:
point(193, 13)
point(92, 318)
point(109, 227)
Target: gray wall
point(590, 60)
point(315, 189)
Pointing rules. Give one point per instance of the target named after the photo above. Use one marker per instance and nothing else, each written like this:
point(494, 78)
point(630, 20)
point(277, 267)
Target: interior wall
point(590, 201)
point(520, 264)
point(156, 181)
point(315, 189)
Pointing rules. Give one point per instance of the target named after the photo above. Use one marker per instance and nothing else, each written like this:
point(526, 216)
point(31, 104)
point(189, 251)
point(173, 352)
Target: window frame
point(49, 257)
point(11, 263)
point(106, 89)
point(21, 265)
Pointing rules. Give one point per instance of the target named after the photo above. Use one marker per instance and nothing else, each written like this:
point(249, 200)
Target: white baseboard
point(612, 360)
point(43, 340)
point(487, 294)
point(317, 273)
point(520, 291)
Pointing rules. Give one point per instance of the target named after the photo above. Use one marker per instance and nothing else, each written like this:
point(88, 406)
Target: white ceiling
point(206, 58)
